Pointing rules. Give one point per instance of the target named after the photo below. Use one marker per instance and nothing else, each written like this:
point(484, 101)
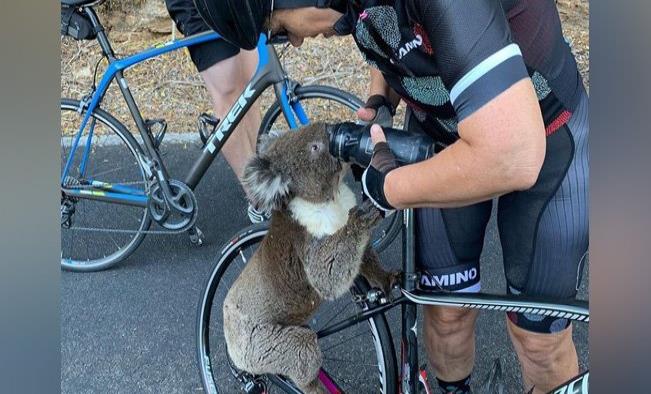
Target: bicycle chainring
point(169, 218)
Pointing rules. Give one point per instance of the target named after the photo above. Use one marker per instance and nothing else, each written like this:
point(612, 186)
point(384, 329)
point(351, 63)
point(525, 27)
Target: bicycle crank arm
point(101, 195)
point(172, 198)
point(176, 212)
point(573, 310)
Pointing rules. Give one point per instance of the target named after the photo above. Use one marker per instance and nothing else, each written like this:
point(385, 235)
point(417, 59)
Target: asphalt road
point(131, 329)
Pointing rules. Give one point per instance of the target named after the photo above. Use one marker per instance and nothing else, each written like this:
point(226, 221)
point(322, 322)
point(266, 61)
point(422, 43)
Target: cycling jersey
point(447, 58)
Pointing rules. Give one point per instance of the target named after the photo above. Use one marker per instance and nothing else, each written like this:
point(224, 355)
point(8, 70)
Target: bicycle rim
point(89, 241)
point(369, 368)
point(331, 105)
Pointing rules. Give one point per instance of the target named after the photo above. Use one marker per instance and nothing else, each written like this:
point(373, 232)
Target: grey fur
point(267, 189)
point(293, 271)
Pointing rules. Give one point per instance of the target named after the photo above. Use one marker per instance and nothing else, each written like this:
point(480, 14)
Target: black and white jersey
point(447, 58)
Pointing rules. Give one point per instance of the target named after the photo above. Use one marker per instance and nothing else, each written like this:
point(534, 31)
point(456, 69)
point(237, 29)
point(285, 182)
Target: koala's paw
point(391, 285)
point(366, 214)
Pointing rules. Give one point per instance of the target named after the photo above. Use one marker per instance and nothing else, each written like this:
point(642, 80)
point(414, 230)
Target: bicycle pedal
point(206, 126)
point(157, 129)
point(196, 236)
point(254, 388)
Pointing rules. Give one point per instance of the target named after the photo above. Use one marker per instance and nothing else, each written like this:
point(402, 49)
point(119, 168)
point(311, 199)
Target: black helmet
point(240, 22)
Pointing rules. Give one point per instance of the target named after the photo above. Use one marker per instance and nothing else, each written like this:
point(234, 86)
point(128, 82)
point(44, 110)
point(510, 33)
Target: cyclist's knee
point(226, 91)
point(541, 350)
point(449, 321)
point(224, 80)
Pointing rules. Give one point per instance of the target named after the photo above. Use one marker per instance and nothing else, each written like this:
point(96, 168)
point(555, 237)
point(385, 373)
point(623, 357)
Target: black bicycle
point(356, 323)
point(353, 333)
point(114, 184)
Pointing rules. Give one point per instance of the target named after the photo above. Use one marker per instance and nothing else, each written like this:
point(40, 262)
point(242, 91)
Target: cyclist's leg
point(544, 235)
point(448, 246)
point(225, 82)
point(225, 70)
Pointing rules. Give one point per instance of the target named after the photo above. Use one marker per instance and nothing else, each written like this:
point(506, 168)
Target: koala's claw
point(395, 285)
point(367, 213)
point(390, 285)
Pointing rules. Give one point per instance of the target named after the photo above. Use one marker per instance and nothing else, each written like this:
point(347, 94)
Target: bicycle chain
point(123, 231)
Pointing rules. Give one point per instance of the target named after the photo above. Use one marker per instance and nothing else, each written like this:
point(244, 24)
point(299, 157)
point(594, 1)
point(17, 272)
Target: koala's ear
point(265, 187)
point(265, 140)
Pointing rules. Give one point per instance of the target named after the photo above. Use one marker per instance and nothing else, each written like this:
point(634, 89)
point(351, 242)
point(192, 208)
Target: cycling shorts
point(543, 230)
point(189, 22)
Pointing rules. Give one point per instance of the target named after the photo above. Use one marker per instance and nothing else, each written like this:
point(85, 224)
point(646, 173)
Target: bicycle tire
point(124, 137)
point(249, 236)
point(389, 230)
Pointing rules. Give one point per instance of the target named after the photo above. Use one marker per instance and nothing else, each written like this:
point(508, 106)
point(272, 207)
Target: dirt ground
point(169, 87)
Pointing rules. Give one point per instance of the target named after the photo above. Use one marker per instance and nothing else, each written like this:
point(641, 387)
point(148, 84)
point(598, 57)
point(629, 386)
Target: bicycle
point(109, 168)
point(340, 323)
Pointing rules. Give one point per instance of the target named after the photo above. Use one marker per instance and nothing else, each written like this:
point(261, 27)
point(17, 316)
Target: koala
point(318, 242)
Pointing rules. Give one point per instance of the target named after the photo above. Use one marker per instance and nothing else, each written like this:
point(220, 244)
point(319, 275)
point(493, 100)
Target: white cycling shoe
point(256, 216)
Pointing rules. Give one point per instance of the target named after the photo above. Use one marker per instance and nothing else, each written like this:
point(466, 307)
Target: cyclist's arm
point(481, 164)
point(502, 136)
point(380, 86)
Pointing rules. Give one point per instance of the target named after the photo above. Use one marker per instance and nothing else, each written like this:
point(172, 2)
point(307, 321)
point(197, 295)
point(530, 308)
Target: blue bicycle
point(114, 183)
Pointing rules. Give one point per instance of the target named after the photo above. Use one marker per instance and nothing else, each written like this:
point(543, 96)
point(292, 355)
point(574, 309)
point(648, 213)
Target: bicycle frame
point(269, 72)
point(411, 297)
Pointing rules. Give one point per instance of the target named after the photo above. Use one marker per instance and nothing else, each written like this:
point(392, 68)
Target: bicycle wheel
point(96, 234)
point(359, 359)
point(331, 105)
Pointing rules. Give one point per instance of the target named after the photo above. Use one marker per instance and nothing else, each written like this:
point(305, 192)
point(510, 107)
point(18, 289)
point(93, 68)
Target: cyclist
point(497, 86)
point(225, 71)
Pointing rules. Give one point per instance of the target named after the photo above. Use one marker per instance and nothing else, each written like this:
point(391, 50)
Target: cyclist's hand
point(378, 110)
point(382, 162)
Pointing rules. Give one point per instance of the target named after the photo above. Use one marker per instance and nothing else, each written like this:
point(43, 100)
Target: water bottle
point(352, 143)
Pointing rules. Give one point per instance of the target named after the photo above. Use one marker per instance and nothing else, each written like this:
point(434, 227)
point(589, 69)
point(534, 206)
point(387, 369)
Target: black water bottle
point(352, 143)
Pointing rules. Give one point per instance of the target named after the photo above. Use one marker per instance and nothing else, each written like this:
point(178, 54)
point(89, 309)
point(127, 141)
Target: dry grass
point(168, 86)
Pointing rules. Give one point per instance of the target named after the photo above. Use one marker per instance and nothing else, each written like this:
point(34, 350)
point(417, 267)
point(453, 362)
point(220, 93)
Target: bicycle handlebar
point(351, 142)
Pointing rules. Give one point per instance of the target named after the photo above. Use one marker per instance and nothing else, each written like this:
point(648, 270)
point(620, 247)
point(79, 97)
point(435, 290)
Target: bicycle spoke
point(350, 362)
point(343, 342)
point(111, 171)
point(333, 317)
point(113, 239)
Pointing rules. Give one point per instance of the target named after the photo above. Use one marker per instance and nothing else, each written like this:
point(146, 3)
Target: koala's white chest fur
point(321, 219)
